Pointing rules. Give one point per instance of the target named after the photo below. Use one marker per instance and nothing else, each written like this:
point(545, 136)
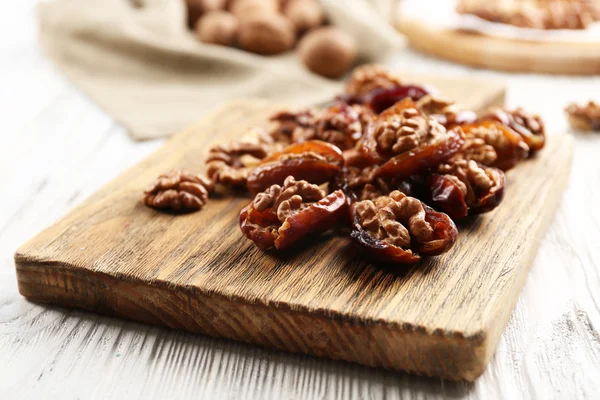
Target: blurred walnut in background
point(537, 14)
point(270, 27)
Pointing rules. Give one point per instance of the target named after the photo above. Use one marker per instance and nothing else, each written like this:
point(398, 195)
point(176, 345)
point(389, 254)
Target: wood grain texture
point(58, 149)
point(197, 272)
point(478, 50)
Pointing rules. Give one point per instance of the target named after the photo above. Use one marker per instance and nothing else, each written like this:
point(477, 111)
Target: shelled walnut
point(290, 124)
point(230, 165)
point(405, 142)
point(529, 126)
point(369, 77)
point(482, 187)
point(376, 170)
point(586, 117)
point(280, 216)
point(179, 191)
point(445, 111)
point(400, 229)
point(509, 146)
point(341, 125)
point(406, 130)
point(476, 149)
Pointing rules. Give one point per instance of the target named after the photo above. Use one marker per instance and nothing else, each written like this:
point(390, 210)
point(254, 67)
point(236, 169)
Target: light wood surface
point(197, 272)
point(484, 51)
point(58, 148)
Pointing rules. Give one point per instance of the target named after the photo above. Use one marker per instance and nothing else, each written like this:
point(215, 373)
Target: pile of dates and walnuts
point(394, 163)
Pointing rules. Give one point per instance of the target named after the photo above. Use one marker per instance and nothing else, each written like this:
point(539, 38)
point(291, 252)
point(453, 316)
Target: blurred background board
point(483, 51)
point(442, 317)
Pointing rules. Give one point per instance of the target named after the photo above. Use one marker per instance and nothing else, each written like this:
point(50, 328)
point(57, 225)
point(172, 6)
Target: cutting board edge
point(497, 53)
point(496, 330)
point(80, 290)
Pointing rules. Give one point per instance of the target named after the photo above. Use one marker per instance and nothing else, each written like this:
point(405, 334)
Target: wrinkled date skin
point(381, 99)
point(445, 234)
point(266, 231)
point(508, 156)
point(359, 184)
point(444, 194)
point(298, 160)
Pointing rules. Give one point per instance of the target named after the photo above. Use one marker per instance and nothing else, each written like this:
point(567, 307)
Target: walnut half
point(368, 78)
point(584, 118)
point(397, 228)
point(230, 165)
point(280, 216)
point(179, 191)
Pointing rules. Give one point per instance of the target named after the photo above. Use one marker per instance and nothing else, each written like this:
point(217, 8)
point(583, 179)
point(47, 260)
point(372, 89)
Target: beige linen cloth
point(139, 63)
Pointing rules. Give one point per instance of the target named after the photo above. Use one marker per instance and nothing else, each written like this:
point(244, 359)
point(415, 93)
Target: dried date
point(509, 146)
point(529, 126)
point(405, 142)
point(378, 89)
point(465, 187)
point(341, 125)
point(401, 229)
point(314, 161)
point(281, 216)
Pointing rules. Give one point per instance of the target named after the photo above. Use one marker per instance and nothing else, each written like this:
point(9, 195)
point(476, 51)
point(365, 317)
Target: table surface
point(58, 148)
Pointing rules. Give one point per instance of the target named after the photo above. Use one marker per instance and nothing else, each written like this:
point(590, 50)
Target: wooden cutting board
point(483, 51)
point(197, 272)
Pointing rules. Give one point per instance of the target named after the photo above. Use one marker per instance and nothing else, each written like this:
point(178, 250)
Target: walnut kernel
point(231, 164)
point(367, 78)
point(402, 132)
point(585, 118)
point(394, 219)
point(179, 191)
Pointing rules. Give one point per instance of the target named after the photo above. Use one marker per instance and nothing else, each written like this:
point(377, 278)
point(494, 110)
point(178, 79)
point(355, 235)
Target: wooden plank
point(483, 51)
point(197, 272)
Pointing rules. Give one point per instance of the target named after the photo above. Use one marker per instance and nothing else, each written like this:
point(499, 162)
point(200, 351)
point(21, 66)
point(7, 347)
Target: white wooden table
point(58, 148)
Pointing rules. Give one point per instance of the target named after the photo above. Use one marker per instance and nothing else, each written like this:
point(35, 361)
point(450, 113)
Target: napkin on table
point(138, 62)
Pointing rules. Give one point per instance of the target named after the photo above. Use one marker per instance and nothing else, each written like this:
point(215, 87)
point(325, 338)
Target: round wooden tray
point(479, 50)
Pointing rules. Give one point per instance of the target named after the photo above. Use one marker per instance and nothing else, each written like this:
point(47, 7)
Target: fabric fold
point(140, 64)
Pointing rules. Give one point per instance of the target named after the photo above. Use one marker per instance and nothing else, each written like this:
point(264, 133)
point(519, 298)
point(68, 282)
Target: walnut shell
point(196, 8)
point(244, 8)
point(266, 33)
point(328, 51)
point(218, 27)
point(304, 14)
